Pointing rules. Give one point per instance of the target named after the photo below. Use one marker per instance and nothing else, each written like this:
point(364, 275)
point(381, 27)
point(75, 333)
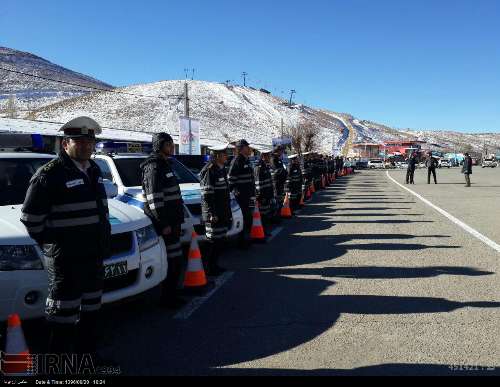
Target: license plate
point(115, 270)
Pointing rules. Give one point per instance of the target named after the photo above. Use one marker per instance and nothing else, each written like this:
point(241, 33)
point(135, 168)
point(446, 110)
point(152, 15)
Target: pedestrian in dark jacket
point(467, 169)
point(66, 213)
point(431, 164)
point(242, 184)
point(264, 190)
point(165, 208)
point(294, 182)
point(279, 174)
point(412, 165)
point(216, 206)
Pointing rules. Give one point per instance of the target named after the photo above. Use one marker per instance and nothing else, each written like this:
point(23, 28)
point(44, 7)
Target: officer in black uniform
point(307, 173)
point(242, 184)
point(264, 190)
point(66, 212)
point(431, 163)
point(317, 171)
point(279, 175)
point(294, 182)
point(216, 206)
point(164, 205)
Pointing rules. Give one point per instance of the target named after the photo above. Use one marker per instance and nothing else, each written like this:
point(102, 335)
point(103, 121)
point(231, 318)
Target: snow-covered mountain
point(226, 113)
point(29, 92)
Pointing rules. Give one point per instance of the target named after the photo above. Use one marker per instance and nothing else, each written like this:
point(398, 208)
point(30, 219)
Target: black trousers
point(247, 212)
point(433, 172)
point(467, 179)
point(175, 264)
point(410, 176)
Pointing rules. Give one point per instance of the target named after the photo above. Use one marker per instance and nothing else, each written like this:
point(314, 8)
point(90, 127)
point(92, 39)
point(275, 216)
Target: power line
point(168, 96)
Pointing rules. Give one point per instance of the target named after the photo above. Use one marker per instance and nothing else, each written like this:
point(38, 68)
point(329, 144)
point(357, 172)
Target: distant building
point(366, 150)
point(403, 148)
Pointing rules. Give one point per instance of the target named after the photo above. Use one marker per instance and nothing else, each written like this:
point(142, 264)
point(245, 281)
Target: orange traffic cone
point(313, 188)
point(286, 211)
point(16, 361)
point(195, 274)
point(257, 233)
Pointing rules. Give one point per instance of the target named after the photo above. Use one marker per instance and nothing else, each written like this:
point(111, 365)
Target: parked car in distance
point(489, 163)
point(376, 164)
point(444, 163)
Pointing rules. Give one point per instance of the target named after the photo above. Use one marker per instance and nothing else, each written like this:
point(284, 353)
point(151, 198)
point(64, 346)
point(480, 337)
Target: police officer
point(431, 164)
point(412, 166)
point(164, 205)
point(264, 189)
point(66, 212)
point(307, 172)
point(317, 170)
point(216, 206)
point(279, 175)
point(294, 182)
point(242, 184)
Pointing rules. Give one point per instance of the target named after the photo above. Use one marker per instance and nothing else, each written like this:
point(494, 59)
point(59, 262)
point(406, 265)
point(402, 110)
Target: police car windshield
point(130, 171)
point(15, 175)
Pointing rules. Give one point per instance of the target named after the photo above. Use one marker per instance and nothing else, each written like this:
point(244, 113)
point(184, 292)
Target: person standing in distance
point(164, 206)
point(412, 165)
point(216, 206)
point(431, 165)
point(66, 212)
point(242, 184)
point(467, 169)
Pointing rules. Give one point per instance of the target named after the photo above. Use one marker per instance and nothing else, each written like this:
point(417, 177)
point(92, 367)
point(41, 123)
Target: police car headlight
point(146, 238)
point(234, 205)
point(19, 258)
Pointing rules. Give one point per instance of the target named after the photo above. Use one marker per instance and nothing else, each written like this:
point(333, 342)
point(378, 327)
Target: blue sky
point(426, 64)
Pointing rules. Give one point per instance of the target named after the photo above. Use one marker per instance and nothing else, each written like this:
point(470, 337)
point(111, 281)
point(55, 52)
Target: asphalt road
point(367, 280)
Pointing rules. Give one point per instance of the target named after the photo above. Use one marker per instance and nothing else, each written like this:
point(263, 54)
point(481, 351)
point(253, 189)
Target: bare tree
point(304, 136)
point(297, 136)
point(310, 136)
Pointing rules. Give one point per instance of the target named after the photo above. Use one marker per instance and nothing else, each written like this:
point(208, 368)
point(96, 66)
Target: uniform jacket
point(294, 181)
point(67, 211)
point(263, 182)
point(279, 175)
point(241, 178)
point(164, 204)
point(215, 197)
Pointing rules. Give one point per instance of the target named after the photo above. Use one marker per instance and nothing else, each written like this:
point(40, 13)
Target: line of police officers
point(66, 213)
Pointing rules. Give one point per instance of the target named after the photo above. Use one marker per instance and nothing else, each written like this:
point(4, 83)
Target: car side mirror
point(111, 188)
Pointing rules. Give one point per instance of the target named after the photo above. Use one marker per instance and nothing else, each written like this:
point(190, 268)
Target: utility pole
point(292, 92)
point(192, 75)
point(244, 74)
point(186, 113)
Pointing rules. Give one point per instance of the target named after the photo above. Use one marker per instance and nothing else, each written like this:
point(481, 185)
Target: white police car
point(123, 169)
point(138, 263)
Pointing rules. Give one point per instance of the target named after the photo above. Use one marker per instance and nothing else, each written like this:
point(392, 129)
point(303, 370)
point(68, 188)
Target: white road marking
point(197, 302)
point(458, 222)
point(274, 234)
